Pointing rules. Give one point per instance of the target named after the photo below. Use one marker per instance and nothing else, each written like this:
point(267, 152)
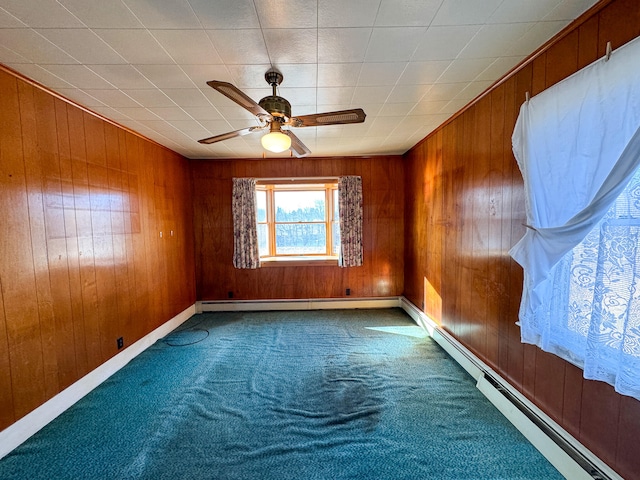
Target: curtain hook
point(527, 97)
point(608, 52)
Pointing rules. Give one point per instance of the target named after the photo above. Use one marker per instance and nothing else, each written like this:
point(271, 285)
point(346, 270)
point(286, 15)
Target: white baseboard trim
point(572, 466)
point(296, 304)
point(17, 433)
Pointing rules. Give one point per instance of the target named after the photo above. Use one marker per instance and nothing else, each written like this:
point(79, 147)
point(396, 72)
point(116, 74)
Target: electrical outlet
point(120, 342)
point(348, 292)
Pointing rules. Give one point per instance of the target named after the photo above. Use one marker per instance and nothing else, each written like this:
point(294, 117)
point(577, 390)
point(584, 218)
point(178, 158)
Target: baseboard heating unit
point(572, 459)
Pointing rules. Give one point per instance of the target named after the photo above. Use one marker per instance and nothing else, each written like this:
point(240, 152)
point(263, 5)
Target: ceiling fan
point(274, 113)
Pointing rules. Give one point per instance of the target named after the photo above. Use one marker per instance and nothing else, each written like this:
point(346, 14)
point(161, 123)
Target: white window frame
point(330, 187)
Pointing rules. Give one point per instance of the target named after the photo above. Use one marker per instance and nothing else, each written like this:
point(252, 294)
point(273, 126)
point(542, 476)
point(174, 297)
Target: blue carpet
point(344, 394)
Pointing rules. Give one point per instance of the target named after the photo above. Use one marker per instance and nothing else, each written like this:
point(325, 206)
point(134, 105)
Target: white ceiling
point(410, 64)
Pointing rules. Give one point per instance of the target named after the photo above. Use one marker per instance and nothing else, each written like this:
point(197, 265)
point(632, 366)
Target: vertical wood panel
point(381, 275)
point(71, 239)
point(6, 391)
point(11, 192)
point(62, 348)
point(16, 268)
point(71, 219)
point(84, 231)
point(483, 213)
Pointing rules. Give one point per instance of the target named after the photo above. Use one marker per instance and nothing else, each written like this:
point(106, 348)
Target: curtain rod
point(322, 179)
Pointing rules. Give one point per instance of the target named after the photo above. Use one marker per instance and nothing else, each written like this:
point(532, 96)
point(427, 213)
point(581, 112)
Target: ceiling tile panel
point(41, 75)
point(428, 107)
point(204, 112)
point(166, 76)
point(42, 14)
point(149, 98)
point(109, 113)
point(343, 45)
point(465, 70)
point(466, 12)
point(122, 76)
point(136, 46)
point(354, 13)
point(408, 93)
point(295, 75)
point(292, 45)
point(164, 13)
point(240, 47)
point(498, 68)
point(394, 44)
point(419, 73)
point(113, 98)
point(412, 13)
point(248, 76)
point(8, 56)
point(201, 74)
point(513, 12)
point(287, 14)
point(102, 14)
point(9, 21)
point(171, 113)
point(138, 113)
point(34, 47)
point(186, 97)
point(444, 42)
point(444, 91)
point(537, 35)
point(331, 95)
point(371, 94)
point(494, 40)
point(568, 10)
point(388, 73)
point(80, 76)
point(338, 74)
point(226, 14)
point(473, 89)
point(188, 47)
point(396, 109)
point(83, 45)
point(410, 64)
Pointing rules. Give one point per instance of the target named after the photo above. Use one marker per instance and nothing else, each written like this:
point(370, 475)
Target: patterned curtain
point(245, 233)
point(350, 205)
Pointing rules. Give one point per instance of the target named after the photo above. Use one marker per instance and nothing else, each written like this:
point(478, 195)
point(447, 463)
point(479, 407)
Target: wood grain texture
point(383, 228)
point(464, 177)
point(73, 249)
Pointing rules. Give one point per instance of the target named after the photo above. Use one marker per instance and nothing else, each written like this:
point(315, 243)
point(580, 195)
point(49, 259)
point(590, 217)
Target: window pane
point(263, 239)
point(299, 206)
point(336, 214)
point(261, 202)
point(301, 238)
point(336, 237)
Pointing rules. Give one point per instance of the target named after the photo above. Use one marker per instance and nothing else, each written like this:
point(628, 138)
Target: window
point(298, 220)
point(578, 147)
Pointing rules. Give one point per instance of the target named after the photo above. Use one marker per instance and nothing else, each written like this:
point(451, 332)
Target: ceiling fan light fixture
point(276, 142)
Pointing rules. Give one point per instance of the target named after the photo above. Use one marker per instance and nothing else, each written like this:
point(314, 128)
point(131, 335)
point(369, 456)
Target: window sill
point(300, 261)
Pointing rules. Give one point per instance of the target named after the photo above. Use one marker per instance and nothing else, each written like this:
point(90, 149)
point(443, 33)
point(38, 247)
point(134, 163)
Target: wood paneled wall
point(465, 209)
point(82, 263)
point(382, 272)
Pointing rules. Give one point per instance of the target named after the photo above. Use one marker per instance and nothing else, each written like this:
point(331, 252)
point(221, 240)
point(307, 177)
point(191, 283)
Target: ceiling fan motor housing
point(276, 106)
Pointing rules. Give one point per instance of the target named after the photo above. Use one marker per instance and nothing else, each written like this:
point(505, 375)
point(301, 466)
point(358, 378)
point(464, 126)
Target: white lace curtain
point(245, 230)
point(350, 205)
point(578, 146)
